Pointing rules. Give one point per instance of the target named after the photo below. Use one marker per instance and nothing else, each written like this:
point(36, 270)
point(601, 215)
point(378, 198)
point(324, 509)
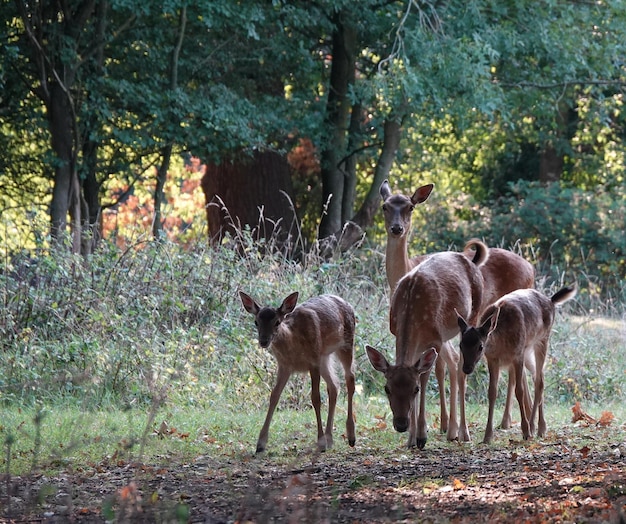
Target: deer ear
point(461, 321)
point(248, 303)
point(289, 304)
point(422, 194)
point(385, 190)
point(377, 359)
point(494, 320)
point(426, 361)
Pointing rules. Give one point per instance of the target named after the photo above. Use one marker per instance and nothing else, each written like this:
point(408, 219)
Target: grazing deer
point(514, 332)
point(305, 338)
point(503, 272)
point(422, 318)
point(397, 210)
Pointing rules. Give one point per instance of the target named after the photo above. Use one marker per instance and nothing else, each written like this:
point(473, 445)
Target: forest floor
point(576, 474)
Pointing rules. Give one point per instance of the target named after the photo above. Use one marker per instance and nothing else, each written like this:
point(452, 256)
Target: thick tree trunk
point(552, 161)
point(62, 141)
point(337, 118)
point(391, 142)
point(255, 193)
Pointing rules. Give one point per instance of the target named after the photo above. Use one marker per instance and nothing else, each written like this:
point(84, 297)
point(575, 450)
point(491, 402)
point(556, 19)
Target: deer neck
point(397, 262)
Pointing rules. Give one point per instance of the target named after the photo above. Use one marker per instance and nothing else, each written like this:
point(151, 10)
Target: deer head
point(473, 339)
point(267, 319)
point(397, 209)
point(402, 383)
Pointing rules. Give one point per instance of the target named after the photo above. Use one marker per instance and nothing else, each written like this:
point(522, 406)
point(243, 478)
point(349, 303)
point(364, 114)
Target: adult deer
point(422, 319)
point(511, 333)
point(503, 272)
point(397, 210)
point(305, 339)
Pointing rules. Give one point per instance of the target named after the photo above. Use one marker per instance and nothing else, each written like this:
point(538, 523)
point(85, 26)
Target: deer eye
point(411, 208)
point(417, 390)
point(384, 207)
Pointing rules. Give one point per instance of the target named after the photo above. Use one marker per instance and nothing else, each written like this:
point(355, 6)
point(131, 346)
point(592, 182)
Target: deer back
point(507, 329)
point(422, 308)
point(299, 336)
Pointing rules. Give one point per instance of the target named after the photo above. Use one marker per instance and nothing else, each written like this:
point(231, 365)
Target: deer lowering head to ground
point(422, 318)
point(397, 211)
point(306, 339)
point(503, 272)
point(514, 332)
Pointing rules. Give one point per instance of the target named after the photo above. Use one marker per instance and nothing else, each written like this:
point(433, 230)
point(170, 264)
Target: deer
point(308, 338)
point(422, 319)
point(514, 332)
point(503, 272)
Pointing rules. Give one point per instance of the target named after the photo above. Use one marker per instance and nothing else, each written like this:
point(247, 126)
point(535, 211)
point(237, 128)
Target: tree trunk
point(254, 193)
point(166, 152)
point(159, 193)
point(552, 159)
point(62, 141)
point(349, 190)
point(337, 118)
point(391, 142)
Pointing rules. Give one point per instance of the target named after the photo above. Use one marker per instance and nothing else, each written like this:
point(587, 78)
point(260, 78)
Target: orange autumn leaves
point(605, 420)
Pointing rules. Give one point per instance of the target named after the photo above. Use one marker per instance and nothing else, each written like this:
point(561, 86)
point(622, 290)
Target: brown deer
point(305, 339)
point(513, 333)
point(422, 318)
point(503, 272)
point(397, 210)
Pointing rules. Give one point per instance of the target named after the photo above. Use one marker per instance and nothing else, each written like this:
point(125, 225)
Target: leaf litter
point(576, 474)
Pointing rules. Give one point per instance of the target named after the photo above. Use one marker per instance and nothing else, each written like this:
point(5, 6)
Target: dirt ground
point(574, 475)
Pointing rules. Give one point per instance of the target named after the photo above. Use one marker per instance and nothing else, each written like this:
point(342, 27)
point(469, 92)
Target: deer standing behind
point(503, 272)
point(422, 318)
point(305, 339)
point(514, 332)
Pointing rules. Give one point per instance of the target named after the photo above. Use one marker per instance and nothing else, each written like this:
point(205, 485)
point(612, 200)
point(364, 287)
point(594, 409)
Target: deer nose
point(397, 229)
point(401, 424)
point(468, 368)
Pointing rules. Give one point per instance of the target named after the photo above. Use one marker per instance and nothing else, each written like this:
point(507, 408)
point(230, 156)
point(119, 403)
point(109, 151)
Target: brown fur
point(503, 272)
point(513, 333)
point(422, 318)
point(303, 339)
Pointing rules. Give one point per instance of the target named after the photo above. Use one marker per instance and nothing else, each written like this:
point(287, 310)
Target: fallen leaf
point(457, 484)
point(579, 414)
point(606, 419)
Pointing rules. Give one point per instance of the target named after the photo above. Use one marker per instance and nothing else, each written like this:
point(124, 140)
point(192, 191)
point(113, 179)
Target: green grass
point(96, 355)
point(55, 438)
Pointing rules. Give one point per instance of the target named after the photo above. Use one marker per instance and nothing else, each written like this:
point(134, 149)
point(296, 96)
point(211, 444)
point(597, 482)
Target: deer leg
point(520, 393)
point(510, 391)
point(281, 380)
point(464, 434)
point(418, 434)
point(440, 374)
point(332, 386)
point(451, 358)
point(494, 376)
point(316, 400)
point(348, 367)
point(540, 358)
